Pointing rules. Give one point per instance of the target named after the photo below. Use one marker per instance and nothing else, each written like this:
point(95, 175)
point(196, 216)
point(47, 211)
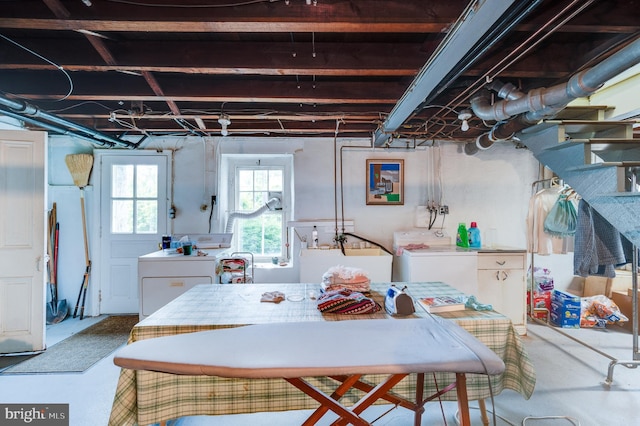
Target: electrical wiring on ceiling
point(59, 67)
point(79, 104)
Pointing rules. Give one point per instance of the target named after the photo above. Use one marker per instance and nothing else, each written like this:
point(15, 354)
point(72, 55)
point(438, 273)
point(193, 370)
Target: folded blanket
point(346, 302)
point(338, 277)
point(363, 287)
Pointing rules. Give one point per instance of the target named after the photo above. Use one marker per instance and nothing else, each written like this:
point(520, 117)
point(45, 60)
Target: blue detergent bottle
point(474, 236)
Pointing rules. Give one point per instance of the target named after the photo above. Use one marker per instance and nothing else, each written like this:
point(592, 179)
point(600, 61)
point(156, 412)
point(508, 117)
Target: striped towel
point(345, 301)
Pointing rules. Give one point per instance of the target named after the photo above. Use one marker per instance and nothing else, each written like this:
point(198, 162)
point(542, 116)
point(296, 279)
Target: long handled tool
point(80, 166)
point(56, 309)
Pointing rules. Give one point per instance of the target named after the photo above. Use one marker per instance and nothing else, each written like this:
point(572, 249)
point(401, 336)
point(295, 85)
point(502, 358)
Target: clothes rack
point(635, 361)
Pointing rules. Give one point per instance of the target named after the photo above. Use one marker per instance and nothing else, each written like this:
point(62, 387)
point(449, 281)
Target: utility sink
point(315, 262)
point(365, 252)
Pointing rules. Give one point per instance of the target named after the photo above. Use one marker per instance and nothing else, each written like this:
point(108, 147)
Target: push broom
point(80, 166)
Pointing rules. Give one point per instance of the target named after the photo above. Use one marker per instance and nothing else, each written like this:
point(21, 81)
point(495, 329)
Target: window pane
point(262, 235)
point(245, 201)
point(259, 199)
point(272, 234)
point(147, 181)
point(275, 180)
point(147, 217)
point(122, 180)
point(250, 235)
point(122, 216)
point(245, 180)
point(261, 180)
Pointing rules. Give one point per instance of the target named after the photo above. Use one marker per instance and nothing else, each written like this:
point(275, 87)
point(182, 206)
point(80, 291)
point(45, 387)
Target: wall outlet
point(444, 210)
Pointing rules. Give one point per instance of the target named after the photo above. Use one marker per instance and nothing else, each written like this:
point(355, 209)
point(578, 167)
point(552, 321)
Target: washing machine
point(431, 255)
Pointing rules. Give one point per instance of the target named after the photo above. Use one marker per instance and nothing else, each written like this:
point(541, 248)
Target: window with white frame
point(260, 226)
point(134, 199)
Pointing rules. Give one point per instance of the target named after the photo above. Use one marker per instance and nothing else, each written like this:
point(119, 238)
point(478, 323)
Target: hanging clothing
point(599, 247)
point(541, 242)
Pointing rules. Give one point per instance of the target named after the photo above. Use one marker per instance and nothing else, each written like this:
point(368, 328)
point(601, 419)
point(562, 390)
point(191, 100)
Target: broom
point(80, 166)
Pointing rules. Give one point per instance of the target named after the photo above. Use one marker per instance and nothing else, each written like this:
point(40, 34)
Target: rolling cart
point(236, 269)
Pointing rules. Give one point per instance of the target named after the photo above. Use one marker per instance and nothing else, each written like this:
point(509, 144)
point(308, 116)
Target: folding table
point(145, 397)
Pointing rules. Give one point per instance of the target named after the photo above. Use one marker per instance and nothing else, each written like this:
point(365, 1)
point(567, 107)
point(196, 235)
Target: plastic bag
point(598, 311)
point(542, 278)
point(562, 218)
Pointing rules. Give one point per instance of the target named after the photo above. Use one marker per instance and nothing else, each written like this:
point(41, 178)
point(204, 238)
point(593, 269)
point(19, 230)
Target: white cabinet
point(501, 282)
point(162, 277)
point(457, 268)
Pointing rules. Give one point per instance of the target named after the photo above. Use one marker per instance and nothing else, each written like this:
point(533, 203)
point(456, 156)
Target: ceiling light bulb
point(464, 115)
point(224, 122)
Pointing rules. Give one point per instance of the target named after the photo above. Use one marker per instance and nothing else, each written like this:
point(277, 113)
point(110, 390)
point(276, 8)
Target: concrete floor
point(570, 382)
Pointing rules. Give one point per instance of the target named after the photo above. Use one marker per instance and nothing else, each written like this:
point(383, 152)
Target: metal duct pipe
point(24, 110)
point(500, 132)
point(51, 127)
point(273, 203)
point(480, 25)
point(505, 90)
point(541, 103)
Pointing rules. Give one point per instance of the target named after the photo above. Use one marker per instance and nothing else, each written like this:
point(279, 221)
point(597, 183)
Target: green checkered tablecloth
point(144, 397)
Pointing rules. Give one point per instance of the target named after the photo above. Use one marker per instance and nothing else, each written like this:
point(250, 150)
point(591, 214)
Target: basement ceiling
point(288, 67)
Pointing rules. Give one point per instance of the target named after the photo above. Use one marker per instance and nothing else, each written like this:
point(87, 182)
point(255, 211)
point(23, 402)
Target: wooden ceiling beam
point(244, 26)
point(231, 70)
point(274, 25)
point(254, 99)
point(244, 117)
point(263, 58)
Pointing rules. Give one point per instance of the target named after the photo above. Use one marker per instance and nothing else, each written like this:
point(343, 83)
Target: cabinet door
point(501, 283)
point(503, 288)
point(158, 291)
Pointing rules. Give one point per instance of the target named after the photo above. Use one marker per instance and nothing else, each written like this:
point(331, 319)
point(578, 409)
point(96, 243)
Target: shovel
point(56, 309)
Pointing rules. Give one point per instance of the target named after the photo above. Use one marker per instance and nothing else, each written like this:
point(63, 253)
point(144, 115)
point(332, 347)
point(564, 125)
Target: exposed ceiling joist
point(350, 61)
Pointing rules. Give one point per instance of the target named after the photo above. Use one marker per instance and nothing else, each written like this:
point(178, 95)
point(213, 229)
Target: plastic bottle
point(474, 236)
point(462, 237)
point(314, 238)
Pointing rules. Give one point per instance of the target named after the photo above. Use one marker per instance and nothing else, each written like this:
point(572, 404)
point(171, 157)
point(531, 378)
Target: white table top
point(301, 349)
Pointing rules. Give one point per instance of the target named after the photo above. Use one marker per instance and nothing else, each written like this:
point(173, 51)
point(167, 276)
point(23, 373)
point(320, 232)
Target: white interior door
point(22, 241)
point(134, 204)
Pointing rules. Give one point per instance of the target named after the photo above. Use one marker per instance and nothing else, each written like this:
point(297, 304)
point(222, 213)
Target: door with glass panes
point(134, 198)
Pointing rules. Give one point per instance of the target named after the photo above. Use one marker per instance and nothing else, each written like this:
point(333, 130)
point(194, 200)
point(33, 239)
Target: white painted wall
point(492, 188)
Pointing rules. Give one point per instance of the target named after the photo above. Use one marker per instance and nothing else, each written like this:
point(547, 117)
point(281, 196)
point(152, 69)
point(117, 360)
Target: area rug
point(80, 351)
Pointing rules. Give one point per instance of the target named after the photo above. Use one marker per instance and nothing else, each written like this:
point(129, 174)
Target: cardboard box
point(559, 320)
point(566, 300)
point(622, 281)
point(623, 300)
point(565, 309)
point(594, 286)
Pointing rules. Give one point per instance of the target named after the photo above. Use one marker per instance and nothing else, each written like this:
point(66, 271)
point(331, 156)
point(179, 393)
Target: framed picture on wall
point(385, 182)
